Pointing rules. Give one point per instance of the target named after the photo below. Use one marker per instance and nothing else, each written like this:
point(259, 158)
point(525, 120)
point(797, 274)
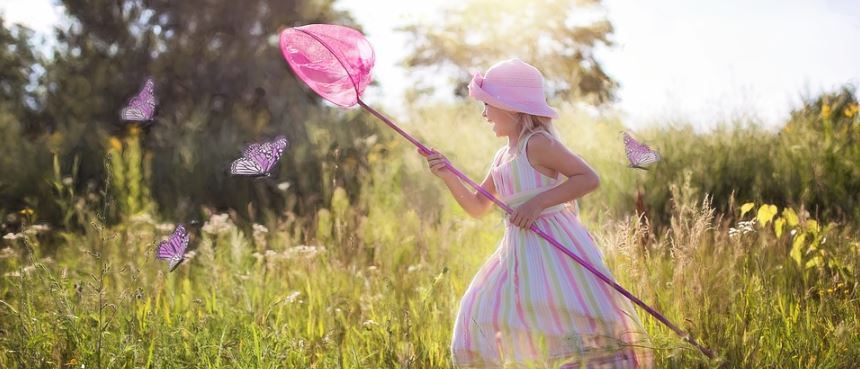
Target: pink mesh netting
point(334, 61)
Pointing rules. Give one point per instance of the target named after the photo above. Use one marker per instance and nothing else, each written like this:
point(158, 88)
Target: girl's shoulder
point(541, 141)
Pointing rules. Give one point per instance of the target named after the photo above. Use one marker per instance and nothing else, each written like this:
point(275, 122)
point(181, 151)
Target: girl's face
point(503, 121)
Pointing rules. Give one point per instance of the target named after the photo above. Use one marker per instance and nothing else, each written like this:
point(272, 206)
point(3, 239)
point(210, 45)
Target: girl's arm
point(546, 153)
point(472, 202)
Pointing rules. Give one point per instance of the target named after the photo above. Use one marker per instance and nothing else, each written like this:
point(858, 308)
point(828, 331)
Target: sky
point(695, 61)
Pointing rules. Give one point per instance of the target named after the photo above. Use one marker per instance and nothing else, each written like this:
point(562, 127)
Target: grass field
point(375, 282)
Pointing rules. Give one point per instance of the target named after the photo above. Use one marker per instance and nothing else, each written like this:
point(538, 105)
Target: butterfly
point(258, 159)
point(173, 248)
point(639, 154)
point(141, 107)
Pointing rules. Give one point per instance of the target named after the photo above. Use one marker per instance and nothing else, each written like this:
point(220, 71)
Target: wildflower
point(115, 144)
point(292, 297)
point(851, 110)
point(742, 228)
point(825, 111)
point(218, 224)
point(283, 186)
point(369, 324)
point(259, 228)
point(303, 251)
point(259, 234)
point(67, 181)
point(36, 229)
point(12, 236)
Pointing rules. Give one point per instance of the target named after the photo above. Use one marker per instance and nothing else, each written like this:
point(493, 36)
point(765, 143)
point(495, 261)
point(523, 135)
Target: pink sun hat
point(512, 85)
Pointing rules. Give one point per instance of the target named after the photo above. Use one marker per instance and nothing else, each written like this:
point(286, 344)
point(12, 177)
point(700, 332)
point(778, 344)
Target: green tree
point(17, 63)
point(221, 83)
point(558, 36)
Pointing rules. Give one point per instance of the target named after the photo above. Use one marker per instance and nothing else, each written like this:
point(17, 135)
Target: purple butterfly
point(173, 248)
point(141, 107)
point(639, 154)
point(258, 159)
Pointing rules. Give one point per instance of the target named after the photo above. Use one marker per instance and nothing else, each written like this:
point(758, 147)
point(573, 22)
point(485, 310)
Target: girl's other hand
point(438, 164)
point(526, 214)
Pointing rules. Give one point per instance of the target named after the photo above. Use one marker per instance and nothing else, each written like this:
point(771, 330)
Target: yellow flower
point(134, 130)
point(851, 110)
point(825, 111)
point(26, 212)
point(115, 144)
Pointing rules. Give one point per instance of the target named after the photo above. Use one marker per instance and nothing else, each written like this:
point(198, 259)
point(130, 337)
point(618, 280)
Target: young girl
point(530, 305)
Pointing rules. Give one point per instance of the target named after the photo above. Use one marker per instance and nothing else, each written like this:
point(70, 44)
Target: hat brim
point(477, 92)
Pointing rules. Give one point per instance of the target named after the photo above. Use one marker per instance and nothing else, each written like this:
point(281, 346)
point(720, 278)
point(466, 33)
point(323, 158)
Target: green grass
point(375, 282)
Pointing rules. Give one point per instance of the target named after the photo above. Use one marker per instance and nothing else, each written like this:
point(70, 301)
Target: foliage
point(558, 36)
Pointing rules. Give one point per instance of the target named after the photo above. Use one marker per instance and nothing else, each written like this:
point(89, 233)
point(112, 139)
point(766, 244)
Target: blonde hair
point(535, 123)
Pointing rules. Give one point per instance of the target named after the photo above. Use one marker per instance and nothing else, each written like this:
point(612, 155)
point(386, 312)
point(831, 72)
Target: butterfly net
point(334, 61)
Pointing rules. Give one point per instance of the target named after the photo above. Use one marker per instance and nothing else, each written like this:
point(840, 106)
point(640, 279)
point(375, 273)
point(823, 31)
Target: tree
point(221, 84)
point(17, 63)
point(557, 36)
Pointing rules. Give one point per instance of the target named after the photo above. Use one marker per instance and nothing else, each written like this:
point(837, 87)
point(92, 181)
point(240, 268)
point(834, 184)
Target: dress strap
point(497, 157)
point(525, 140)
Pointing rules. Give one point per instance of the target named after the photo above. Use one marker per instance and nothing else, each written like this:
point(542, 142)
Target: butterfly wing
point(272, 152)
point(141, 107)
point(259, 159)
point(639, 154)
point(173, 248)
point(245, 167)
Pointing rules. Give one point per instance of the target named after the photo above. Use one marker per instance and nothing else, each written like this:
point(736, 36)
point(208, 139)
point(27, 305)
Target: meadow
point(760, 269)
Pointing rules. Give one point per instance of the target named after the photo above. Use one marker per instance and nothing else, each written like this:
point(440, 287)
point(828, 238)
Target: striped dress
point(530, 305)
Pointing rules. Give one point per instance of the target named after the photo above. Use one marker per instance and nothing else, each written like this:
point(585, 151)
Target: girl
point(530, 305)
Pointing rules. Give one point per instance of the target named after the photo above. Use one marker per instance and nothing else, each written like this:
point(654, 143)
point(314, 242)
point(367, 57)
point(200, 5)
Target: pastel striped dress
point(530, 305)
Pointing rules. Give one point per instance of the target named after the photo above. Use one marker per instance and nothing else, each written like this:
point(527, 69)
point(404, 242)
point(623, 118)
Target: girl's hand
point(526, 214)
point(438, 164)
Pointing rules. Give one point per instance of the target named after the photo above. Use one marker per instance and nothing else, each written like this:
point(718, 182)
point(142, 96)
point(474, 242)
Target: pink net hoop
point(334, 61)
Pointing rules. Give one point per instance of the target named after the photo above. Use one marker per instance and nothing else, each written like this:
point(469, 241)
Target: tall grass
point(373, 280)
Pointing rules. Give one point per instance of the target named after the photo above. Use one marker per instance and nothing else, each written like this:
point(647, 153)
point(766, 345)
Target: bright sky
point(675, 59)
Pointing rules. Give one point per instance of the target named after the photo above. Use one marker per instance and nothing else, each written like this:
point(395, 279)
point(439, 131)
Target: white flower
point(259, 235)
point(218, 224)
point(368, 324)
point(12, 236)
point(259, 228)
point(742, 228)
point(6, 252)
point(36, 229)
point(292, 297)
point(283, 186)
point(67, 181)
point(303, 251)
